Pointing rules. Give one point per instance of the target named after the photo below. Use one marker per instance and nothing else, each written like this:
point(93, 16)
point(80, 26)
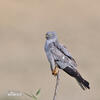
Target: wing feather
point(64, 50)
point(60, 58)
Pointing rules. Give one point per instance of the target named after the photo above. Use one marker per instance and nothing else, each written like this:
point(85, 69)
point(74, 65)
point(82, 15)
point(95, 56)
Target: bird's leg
point(55, 71)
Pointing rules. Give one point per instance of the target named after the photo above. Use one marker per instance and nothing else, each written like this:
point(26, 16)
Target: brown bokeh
point(23, 64)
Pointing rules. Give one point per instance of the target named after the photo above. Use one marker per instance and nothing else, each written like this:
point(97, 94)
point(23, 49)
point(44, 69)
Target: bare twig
point(56, 87)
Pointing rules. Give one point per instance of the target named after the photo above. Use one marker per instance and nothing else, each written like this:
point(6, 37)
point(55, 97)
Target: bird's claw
point(55, 71)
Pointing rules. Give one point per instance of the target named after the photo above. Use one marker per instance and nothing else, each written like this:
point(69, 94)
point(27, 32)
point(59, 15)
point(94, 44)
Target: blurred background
point(23, 63)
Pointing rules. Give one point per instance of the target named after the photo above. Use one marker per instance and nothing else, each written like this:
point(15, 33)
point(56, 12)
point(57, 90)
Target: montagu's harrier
point(59, 58)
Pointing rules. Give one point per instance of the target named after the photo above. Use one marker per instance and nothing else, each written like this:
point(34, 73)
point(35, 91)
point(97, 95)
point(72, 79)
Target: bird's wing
point(60, 59)
point(64, 50)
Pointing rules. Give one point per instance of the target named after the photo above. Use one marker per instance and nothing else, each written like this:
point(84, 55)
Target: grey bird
point(59, 58)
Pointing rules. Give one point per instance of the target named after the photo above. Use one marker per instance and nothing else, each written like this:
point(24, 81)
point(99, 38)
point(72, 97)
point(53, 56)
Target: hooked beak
point(46, 36)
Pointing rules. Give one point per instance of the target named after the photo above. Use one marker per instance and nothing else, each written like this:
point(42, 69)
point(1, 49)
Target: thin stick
point(56, 87)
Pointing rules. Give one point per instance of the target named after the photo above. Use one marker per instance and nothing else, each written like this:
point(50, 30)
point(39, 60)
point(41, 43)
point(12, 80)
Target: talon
point(55, 71)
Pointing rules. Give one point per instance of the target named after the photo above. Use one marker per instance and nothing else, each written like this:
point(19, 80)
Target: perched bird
point(59, 58)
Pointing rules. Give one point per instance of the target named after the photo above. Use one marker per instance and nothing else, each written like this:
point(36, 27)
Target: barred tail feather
point(83, 83)
point(74, 73)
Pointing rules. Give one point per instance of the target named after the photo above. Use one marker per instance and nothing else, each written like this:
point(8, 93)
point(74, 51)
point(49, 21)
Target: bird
point(60, 58)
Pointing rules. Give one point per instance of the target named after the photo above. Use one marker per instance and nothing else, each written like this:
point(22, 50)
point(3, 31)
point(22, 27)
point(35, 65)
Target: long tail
point(74, 73)
point(83, 83)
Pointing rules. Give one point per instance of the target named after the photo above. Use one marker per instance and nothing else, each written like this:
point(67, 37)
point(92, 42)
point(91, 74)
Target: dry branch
point(56, 86)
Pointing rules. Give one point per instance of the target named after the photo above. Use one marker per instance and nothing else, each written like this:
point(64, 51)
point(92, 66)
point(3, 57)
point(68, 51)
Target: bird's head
point(51, 35)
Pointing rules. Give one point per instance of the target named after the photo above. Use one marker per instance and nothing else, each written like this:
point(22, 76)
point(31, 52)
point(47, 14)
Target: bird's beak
point(46, 36)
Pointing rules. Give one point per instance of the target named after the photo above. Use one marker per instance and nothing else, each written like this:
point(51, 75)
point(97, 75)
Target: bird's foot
point(55, 71)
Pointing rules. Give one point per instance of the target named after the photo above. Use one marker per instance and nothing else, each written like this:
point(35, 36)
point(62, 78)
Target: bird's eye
point(49, 35)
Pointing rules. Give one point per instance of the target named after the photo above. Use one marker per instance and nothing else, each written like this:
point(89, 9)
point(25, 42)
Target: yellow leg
point(55, 71)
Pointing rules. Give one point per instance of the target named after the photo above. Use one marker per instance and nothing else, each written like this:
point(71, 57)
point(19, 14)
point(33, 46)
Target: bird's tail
point(74, 73)
point(83, 83)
